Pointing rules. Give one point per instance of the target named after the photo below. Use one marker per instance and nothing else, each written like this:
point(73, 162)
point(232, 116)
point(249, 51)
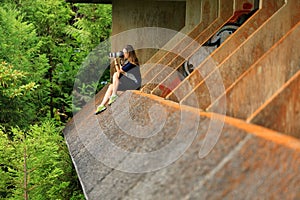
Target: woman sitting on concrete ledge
point(126, 77)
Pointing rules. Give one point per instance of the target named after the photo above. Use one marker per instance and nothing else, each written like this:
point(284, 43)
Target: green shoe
point(112, 99)
point(100, 109)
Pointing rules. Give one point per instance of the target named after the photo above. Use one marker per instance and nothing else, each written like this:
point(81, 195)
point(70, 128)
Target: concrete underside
point(247, 161)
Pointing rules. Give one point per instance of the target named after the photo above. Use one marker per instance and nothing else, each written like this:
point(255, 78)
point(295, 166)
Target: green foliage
point(15, 91)
point(35, 163)
point(11, 84)
point(67, 38)
point(50, 19)
point(19, 44)
point(92, 25)
point(47, 48)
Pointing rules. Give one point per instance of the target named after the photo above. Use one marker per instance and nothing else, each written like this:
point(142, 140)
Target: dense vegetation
point(42, 47)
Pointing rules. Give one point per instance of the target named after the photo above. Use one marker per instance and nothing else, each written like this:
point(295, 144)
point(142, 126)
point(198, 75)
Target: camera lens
point(118, 54)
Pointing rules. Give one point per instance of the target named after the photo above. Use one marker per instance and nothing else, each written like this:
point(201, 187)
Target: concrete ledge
point(245, 157)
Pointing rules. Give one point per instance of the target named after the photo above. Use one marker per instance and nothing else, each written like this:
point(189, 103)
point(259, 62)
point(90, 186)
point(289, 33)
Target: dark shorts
point(127, 84)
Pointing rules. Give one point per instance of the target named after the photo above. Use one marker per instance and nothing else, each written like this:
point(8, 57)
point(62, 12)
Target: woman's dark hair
point(132, 56)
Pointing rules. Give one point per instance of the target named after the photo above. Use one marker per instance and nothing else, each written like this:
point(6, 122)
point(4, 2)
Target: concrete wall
point(193, 14)
point(178, 15)
point(132, 14)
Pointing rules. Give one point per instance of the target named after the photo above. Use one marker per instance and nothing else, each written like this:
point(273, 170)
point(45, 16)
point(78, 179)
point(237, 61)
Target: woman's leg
point(107, 95)
point(115, 83)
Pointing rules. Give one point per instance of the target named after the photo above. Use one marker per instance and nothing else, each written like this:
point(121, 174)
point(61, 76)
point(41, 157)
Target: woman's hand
point(119, 68)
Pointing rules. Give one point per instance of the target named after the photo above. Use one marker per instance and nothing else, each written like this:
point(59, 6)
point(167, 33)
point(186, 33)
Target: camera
point(118, 54)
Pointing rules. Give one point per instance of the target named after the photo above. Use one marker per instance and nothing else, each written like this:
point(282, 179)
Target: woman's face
point(126, 54)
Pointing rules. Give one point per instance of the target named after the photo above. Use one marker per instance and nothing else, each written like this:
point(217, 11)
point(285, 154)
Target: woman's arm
point(119, 68)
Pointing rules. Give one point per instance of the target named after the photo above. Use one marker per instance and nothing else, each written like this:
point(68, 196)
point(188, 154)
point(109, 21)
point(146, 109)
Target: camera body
point(118, 54)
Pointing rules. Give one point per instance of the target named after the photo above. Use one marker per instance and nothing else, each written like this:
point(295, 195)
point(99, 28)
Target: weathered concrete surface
point(187, 46)
point(246, 161)
point(264, 78)
point(282, 111)
point(196, 12)
point(208, 11)
point(259, 169)
point(246, 55)
point(268, 8)
point(133, 14)
point(188, 50)
point(200, 52)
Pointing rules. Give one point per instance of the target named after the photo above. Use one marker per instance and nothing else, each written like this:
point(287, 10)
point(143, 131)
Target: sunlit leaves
point(12, 82)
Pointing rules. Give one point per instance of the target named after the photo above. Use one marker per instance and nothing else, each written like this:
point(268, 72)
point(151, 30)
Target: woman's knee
point(110, 87)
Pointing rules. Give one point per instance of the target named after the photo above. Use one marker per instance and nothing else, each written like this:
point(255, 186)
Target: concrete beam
point(209, 13)
point(246, 55)
point(200, 53)
point(230, 45)
point(168, 81)
point(282, 111)
point(186, 48)
point(264, 78)
point(194, 16)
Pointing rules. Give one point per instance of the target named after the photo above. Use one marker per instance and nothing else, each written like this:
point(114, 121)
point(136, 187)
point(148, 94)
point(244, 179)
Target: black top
point(128, 66)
